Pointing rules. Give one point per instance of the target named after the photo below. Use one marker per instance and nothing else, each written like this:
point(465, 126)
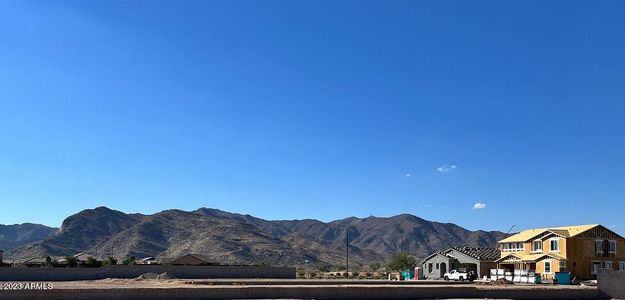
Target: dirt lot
point(293, 289)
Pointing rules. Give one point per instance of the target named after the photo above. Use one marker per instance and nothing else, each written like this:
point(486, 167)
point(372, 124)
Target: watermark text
point(14, 286)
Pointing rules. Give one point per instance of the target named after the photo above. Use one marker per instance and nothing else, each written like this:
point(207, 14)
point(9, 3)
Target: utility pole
point(347, 251)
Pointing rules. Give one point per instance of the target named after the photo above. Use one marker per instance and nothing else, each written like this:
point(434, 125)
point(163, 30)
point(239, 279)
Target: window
point(437, 266)
point(563, 266)
point(612, 249)
point(537, 246)
point(596, 265)
point(547, 266)
point(621, 265)
point(430, 268)
point(513, 247)
point(598, 248)
point(555, 245)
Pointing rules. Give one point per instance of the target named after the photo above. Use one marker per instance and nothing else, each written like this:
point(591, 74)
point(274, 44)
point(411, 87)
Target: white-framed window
point(612, 249)
point(621, 265)
point(513, 247)
point(598, 247)
point(563, 266)
point(595, 266)
point(554, 245)
point(547, 263)
point(537, 246)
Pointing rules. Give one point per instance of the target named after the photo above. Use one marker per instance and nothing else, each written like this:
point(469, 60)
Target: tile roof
point(566, 231)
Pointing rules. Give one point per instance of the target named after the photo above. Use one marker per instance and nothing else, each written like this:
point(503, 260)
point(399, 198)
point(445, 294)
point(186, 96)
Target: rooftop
point(479, 253)
point(566, 231)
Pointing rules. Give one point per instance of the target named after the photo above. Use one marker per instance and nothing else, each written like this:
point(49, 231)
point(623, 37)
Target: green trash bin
point(563, 278)
point(407, 275)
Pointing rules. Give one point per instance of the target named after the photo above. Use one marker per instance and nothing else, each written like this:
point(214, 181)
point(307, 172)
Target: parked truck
point(460, 275)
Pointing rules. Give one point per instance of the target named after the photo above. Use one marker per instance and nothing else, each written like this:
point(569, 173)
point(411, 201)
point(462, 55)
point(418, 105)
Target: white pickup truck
point(458, 275)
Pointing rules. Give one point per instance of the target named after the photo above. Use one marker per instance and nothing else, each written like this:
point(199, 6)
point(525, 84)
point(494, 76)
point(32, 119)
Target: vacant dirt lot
point(292, 289)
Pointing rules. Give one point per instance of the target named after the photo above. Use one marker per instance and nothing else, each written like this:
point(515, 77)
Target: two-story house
point(581, 250)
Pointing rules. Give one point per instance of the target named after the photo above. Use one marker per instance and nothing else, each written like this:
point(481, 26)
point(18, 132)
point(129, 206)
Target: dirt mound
point(155, 276)
point(166, 276)
point(148, 276)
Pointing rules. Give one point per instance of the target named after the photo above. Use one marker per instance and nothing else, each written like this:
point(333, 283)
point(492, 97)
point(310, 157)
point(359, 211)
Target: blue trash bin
point(407, 275)
point(563, 278)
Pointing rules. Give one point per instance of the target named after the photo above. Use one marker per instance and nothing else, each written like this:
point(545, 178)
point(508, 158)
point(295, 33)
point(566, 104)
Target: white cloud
point(446, 168)
point(479, 205)
point(408, 174)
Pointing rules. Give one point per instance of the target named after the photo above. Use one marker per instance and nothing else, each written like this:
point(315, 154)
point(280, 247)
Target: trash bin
point(407, 275)
point(563, 278)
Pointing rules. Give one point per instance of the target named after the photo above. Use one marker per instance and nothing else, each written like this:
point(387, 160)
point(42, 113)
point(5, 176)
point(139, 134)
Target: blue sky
point(315, 109)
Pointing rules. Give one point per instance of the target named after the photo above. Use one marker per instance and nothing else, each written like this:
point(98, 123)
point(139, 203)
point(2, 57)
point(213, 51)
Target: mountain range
point(231, 238)
point(13, 236)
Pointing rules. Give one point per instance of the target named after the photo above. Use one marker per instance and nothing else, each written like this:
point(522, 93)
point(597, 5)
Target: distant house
point(33, 262)
point(581, 250)
point(479, 260)
point(82, 257)
point(192, 260)
point(1, 258)
point(148, 261)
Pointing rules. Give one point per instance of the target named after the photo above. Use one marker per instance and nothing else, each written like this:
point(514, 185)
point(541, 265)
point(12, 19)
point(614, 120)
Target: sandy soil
point(187, 283)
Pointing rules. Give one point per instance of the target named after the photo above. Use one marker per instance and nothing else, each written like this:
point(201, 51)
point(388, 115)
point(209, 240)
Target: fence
point(611, 283)
point(190, 272)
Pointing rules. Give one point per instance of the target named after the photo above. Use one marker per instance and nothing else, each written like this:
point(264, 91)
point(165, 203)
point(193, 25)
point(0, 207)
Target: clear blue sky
point(315, 109)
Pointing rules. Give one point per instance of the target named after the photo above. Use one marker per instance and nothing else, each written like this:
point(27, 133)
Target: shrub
point(71, 261)
point(324, 268)
point(109, 261)
point(261, 263)
point(401, 261)
point(92, 262)
point(129, 261)
point(50, 263)
point(375, 266)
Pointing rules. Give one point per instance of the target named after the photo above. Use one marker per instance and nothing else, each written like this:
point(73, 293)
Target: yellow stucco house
point(581, 250)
